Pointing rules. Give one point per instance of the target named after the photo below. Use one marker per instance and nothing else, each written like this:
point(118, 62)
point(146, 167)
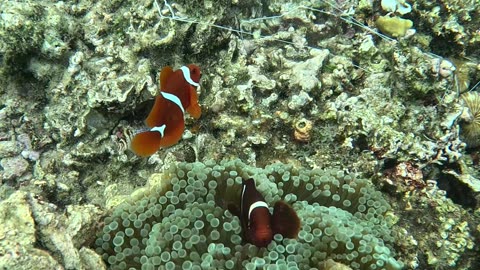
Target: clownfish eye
point(197, 71)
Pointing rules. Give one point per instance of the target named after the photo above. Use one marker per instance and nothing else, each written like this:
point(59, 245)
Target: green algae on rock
point(182, 220)
point(393, 26)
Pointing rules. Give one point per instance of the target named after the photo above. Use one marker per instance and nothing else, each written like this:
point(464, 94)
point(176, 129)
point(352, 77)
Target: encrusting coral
point(181, 221)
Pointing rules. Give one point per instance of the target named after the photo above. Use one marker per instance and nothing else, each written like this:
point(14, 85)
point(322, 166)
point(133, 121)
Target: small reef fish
point(258, 225)
point(178, 93)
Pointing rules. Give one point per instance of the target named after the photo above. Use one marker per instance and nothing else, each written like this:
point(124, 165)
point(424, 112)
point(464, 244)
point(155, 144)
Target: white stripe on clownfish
point(176, 101)
point(187, 77)
point(255, 205)
point(243, 194)
point(160, 129)
point(173, 99)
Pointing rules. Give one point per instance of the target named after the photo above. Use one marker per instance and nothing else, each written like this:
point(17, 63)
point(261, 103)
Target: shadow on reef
point(457, 191)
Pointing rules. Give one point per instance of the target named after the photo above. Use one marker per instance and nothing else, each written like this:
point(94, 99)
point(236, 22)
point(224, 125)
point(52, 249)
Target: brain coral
point(182, 223)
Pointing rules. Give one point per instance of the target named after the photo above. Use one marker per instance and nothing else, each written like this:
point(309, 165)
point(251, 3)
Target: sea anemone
point(470, 125)
point(183, 222)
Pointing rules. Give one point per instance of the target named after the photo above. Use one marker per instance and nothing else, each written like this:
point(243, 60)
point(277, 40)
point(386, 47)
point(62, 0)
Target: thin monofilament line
point(242, 32)
point(475, 86)
point(228, 28)
point(346, 18)
point(349, 19)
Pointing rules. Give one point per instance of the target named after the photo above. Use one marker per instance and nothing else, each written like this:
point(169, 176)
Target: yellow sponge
point(393, 26)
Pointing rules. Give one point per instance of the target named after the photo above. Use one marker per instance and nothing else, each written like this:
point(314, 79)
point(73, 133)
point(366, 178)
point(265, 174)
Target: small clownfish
point(259, 226)
point(178, 93)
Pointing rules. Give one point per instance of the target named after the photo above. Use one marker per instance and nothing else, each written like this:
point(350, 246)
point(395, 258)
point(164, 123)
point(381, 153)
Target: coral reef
point(77, 78)
point(182, 219)
point(454, 26)
point(440, 243)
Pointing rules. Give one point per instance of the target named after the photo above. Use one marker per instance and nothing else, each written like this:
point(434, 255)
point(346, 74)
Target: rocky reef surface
point(382, 90)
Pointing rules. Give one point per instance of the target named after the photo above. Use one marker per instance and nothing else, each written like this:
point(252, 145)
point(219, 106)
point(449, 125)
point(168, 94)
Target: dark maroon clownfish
point(254, 215)
point(178, 94)
point(258, 225)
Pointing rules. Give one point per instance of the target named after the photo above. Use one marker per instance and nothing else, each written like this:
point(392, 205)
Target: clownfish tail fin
point(285, 220)
point(146, 143)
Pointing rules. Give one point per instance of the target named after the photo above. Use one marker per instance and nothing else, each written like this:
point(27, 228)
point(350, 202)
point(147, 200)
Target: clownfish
point(178, 93)
point(259, 226)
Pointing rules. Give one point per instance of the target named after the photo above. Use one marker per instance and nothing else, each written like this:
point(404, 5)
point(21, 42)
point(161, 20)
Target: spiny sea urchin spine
point(470, 125)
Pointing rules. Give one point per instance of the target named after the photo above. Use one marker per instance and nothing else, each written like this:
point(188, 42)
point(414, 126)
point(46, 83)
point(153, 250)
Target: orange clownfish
point(258, 225)
point(178, 93)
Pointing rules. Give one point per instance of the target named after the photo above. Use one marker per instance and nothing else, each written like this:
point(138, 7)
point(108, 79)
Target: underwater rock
point(453, 26)
point(9, 148)
point(18, 236)
point(17, 223)
point(64, 234)
point(305, 74)
point(298, 101)
point(91, 260)
point(28, 222)
point(13, 167)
